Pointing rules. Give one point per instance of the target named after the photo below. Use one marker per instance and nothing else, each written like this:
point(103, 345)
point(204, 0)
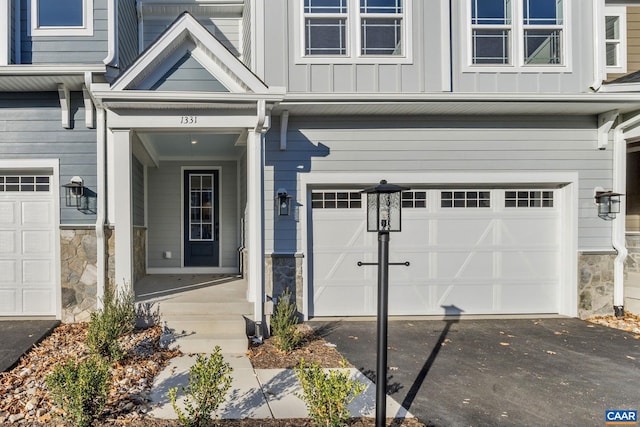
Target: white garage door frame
point(567, 194)
point(48, 166)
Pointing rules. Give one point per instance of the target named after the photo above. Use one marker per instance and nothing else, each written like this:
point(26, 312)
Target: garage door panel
point(344, 297)
point(333, 266)
point(37, 242)
point(8, 242)
point(37, 213)
point(538, 297)
point(37, 301)
point(463, 232)
point(464, 265)
point(343, 231)
point(470, 298)
point(526, 264)
point(7, 213)
point(541, 231)
point(37, 271)
point(9, 269)
point(405, 297)
point(8, 301)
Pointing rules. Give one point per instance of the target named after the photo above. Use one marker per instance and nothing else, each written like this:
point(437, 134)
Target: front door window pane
point(201, 209)
point(60, 13)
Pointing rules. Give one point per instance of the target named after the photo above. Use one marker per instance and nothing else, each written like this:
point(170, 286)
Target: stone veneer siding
point(595, 284)
point(282, 272)
point(79, 274)
point(632, 275)
point(139, 253)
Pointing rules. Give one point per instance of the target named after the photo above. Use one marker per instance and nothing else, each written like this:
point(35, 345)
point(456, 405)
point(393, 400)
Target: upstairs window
point(615, 39)
point(61, 17)
point(365, 30)
point(517, 32)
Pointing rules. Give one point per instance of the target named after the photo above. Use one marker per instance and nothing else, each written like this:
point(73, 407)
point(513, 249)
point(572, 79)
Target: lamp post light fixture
point(608, 204)
point(384, 214)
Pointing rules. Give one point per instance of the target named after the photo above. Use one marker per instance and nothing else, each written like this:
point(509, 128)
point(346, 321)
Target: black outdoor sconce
point(73, 192)
point(283, 202)
point(608, 204)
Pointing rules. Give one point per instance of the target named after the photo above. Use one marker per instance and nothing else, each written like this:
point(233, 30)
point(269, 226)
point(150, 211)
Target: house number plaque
point(188, 120)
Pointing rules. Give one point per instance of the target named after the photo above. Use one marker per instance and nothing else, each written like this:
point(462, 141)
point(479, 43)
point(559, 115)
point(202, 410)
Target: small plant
point(116, 318)
point(327, 394)
point(209, 381)
point(284, 323)
point(80, 389)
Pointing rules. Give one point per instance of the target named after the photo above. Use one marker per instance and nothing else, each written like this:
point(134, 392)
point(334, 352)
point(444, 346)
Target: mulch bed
point(313, 349)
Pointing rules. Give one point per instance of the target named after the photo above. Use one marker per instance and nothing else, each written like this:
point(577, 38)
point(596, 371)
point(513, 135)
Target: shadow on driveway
point(499, 372)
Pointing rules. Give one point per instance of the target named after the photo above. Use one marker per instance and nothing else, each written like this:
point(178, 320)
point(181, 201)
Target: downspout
point(598, 53)
point(260, 289)
point(112, 28)
point(101, 129)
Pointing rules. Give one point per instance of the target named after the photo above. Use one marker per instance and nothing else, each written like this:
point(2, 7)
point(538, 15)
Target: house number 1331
point(188, 120)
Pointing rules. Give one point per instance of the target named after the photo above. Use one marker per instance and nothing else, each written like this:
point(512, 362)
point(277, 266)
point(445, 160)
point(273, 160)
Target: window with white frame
point(373, 29)
point(517, 32)
point(615, 39)
point(61, 17)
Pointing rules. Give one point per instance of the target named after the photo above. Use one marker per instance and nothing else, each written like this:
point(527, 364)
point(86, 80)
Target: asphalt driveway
point(18, 336)
point(506, 372)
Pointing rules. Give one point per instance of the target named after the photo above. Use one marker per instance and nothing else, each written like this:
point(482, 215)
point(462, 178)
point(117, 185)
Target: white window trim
point(85, 30)
point(621, 13)
point(352, 34)
point(517, 26)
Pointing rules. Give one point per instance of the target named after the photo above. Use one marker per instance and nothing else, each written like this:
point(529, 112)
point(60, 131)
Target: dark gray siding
point(189, 75)
point(31, 128)
point(12, 57)
point(65, 50)
point(127, 33)
point(138, 192)
point(439, 144)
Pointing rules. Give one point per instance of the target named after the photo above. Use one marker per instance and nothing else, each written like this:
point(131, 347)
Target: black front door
point(201, 219)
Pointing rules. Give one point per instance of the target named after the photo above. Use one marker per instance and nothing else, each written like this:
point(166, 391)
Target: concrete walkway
point(258, 393)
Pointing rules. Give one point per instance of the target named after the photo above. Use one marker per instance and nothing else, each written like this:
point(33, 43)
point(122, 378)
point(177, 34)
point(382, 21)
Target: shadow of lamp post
point(384, 208)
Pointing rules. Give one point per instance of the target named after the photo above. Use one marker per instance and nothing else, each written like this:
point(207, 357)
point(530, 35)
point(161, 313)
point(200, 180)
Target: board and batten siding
point(127, 33)
point(226, 30)
point(579, 55)
point(31, 128)
point(69, 49)
point(164, 228)
point(423, 74)
point(437, 144)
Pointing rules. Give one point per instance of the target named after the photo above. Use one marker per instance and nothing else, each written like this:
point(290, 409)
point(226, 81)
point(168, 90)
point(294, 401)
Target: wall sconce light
point(608, 204)
point(73, 192)
point(283, 202)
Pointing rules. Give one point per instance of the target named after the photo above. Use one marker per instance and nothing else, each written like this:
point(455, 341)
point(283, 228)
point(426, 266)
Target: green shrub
point(116, 318)
point(80, 389)
point(284, 323)
point(327, 394)
point(209, 381)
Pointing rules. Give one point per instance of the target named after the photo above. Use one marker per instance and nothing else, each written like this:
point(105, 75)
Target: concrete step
point(169, 308)
point(205, 343)
point(207, 324)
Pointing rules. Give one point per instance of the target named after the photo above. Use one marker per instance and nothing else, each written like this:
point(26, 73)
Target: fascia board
point(144, 95)
point(44, 70)
point(621, 87)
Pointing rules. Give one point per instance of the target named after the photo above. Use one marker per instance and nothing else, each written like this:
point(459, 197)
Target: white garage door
point(480, 251)
point(27, 245)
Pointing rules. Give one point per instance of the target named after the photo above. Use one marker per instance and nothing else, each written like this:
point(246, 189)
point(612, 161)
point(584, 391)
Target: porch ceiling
point(179, 146)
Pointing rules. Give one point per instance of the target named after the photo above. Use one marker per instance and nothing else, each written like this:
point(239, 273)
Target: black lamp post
point(384, 207)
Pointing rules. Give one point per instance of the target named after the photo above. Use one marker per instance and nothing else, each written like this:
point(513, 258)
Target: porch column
point(122, 209)
point(255, 226)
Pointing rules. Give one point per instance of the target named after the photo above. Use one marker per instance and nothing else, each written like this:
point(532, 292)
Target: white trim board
point(567, 199)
